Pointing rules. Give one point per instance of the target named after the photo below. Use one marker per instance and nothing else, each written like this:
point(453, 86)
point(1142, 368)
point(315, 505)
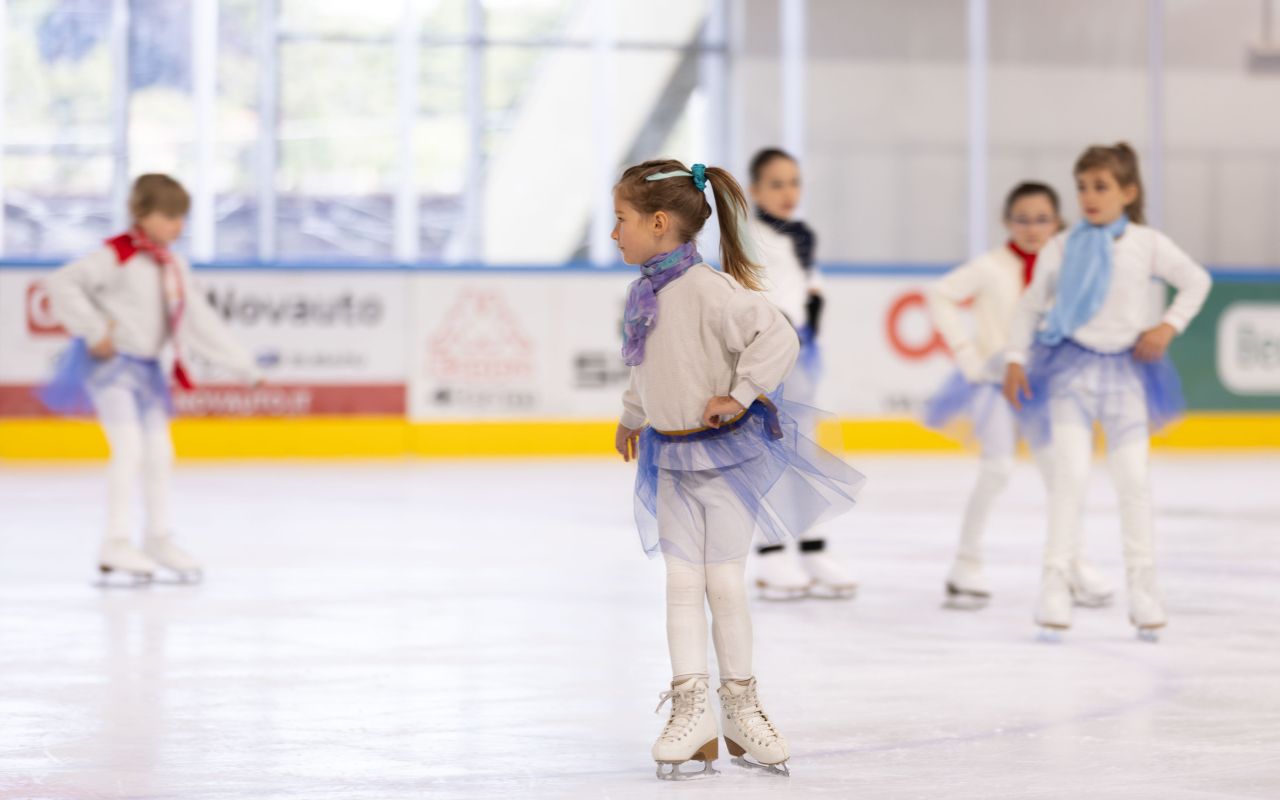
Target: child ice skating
point(1083, 330)
point(123, 304)
point(785, 248)
point(993, 282)
point(718, 450)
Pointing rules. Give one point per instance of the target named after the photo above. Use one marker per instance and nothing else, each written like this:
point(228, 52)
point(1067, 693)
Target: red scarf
point(175, 299)
point(1028, 262)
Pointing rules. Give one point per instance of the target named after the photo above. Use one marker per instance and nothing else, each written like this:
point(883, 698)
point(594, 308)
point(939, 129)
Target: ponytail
point(646, 187)
point(732, 207)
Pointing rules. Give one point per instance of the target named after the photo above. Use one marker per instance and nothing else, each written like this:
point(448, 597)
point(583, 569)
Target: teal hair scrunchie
point(700, 176)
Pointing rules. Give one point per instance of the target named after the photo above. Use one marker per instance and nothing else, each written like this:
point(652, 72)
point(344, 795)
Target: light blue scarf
point(1083, 280)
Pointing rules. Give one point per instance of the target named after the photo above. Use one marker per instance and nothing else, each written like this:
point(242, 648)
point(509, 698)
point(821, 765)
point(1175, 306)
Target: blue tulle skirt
point(781, 482)
point(78, 375)
point(992, 425)
point(954, 400)
point(1073, 384)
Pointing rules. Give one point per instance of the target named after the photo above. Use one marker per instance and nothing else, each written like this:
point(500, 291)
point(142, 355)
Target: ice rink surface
point(491, 629)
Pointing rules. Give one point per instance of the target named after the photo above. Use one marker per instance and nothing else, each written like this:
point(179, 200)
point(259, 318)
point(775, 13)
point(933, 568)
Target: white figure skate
point(1146, 611)
point(748, 733)
point(967, 587)
point(1088, 588)
point(829, 578)
point(1053, 614)
point(690, 733)
point(164, 552)
point(779, 577)
point(119, 558)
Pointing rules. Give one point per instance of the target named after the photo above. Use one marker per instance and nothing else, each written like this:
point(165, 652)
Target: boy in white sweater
point(123, 304)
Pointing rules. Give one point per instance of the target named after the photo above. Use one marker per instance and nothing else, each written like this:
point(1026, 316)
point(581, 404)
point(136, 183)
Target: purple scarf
point(642, 297)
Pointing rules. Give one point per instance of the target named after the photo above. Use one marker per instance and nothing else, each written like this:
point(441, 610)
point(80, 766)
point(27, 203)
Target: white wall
point(887, 117)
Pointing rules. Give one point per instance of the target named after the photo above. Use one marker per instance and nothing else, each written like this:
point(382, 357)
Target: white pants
point(997, 432)
point(1123, 416)
point(700, 510)
point(138, 435)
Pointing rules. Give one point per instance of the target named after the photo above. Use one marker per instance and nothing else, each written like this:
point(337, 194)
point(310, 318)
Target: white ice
point(491, 629)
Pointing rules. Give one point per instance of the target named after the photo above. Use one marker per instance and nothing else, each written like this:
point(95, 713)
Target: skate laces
point(684, 704)
point(745, 710)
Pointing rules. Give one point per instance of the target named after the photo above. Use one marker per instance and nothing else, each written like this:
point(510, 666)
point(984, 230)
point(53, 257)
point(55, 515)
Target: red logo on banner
point(898, 318)
point(480, 341)
point(40, 318)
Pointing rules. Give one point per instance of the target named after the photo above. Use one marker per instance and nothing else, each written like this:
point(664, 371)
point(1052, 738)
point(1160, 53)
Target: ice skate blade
point(739, 754)
point(109, 578)
point(707, 754)
point(824, 592)
point(1050, 634)
point(781, 770)
point(1150, 635)
point(180, 578)
point(965, 599)
point(674, 773)
point(774, 593)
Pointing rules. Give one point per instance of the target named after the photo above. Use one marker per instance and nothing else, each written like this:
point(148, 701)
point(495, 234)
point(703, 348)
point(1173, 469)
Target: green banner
point(1229, 357)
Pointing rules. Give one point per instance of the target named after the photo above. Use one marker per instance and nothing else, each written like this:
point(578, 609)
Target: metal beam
point(793, 33)
point(268, 123)
point(118, 42)
point(1154, 170)
point(406, 198)
point(979, 220)
point(204, 90)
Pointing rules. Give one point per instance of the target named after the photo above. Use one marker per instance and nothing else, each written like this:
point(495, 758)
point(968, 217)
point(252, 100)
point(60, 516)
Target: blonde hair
point(690, 209)
point(157, 192)
point(1121, 161)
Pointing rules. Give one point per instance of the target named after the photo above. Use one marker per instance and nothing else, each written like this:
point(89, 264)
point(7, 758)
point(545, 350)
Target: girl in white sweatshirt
point(784, 248)
point(719, 452)
point(993, 282)
point(123, 304)
point(1084, 327)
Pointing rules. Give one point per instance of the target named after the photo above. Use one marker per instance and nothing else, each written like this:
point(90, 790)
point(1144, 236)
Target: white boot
point(119, 556)
point(1088, 588)
point(748, 731)
point(967, 587)
point(1054, 610)
point(173, 558)
point(690, 733)
point(830, 578)
point(1146, 610)
point(779, 577)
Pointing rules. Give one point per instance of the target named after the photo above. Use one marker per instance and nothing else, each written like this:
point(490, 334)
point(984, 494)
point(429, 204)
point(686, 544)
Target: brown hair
point(156, 192)
point(1122, 162)
point(690, 210)
point(1030, 189)
point(764, 158)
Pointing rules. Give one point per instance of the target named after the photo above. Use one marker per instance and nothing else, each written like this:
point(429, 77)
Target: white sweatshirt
point(100, 293)
point(1138, 256)
point(993, 281)
point(712, 338)
point(786, 282)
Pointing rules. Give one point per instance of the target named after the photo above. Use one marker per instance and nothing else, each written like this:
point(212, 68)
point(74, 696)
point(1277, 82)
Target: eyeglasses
point(1026, 222)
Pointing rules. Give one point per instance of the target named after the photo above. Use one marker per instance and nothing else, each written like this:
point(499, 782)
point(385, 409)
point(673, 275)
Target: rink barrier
point(389, 437)
point(419, 433)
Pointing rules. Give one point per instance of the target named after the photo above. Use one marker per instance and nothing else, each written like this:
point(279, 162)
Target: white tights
point(689, 588)
point(140, 446)
point(1072, 454)
point(706, 533)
